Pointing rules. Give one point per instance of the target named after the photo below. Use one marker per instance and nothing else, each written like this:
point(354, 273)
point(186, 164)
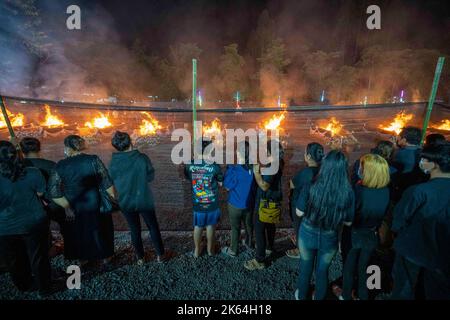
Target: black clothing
point(79, 179)
point(303, 177)
point(265, 238)
point(134, 222)
point(406, 160)
point(420, 202)
point(303, 204)
point(21, 209)
point(131, 172)
point(27, 255)
point(265, 232)
point(54, 212)
point(205, 190)
point(371, 207)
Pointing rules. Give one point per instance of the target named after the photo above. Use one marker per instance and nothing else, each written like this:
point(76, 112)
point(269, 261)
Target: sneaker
point(227, 252)
point(254, 265)
point(293, 253)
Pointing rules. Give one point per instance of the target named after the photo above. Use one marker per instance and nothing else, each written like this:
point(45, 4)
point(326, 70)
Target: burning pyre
point(444, 126)
point(149, 125)
point(212, 130)
point(100, 122)
point(17, 120)
point(335, 134)
point(274, 123)
point(399, 122)
point(51, 120)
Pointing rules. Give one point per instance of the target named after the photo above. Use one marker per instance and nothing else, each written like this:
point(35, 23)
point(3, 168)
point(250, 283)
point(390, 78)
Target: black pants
point(437, 285)
point(265, 238)
point(26, 256)
point(134, 222)
point(357, 259)
point(405, 274)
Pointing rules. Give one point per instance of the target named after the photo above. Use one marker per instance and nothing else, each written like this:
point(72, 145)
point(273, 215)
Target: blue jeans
point(316, 246)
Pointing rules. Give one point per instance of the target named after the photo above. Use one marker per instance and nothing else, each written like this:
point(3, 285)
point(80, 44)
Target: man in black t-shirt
point(31, 148)
point(430, 200)
point(406, 161)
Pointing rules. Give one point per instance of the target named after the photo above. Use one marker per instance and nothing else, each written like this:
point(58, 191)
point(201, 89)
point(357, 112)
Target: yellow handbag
point(269, 211)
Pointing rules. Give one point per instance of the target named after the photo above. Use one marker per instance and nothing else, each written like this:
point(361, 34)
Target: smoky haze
point(269, 51)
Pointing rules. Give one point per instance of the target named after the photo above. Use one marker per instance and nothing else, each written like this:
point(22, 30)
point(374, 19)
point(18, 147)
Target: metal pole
point(5, 116)
point(194, 96)
point(437, 75)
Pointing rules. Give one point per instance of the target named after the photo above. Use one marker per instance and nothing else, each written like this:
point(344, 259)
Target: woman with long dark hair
point(76, 185)
point(23, 222)
point(313, 157)
point(239, 183)
point(325, 205)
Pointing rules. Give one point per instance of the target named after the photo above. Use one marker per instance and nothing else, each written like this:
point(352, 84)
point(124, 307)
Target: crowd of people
point(395, 198)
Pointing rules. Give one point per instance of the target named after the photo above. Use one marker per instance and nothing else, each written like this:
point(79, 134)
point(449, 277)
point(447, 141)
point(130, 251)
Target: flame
point(334, 127)
point(149, 126)
point(51, 121)
point(400, 121)
point(274, 122)
point(16, 120)
point(214, 129)
point(445, 125)
point(101, 122)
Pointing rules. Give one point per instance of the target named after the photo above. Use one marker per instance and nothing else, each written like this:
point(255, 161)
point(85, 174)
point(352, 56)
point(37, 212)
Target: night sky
point(317, 34)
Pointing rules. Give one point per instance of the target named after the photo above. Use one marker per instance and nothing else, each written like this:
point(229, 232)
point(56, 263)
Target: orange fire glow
point(274, 122)
point(212, 130)
point(51, 121)
point(445, 125)
point(400, 121)
point(149, 125)
point(334, 127)
point(17, 120)
point(100, 122)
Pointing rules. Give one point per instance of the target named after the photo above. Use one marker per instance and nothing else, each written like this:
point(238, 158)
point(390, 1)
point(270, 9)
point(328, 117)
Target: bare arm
point(62, 202)
point(112, 192)
point(259, 180)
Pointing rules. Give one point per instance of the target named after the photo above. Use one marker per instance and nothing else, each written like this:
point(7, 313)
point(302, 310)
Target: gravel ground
point(182, 276)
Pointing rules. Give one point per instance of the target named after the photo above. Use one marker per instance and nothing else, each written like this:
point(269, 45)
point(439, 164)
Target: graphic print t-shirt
point(205, 190)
